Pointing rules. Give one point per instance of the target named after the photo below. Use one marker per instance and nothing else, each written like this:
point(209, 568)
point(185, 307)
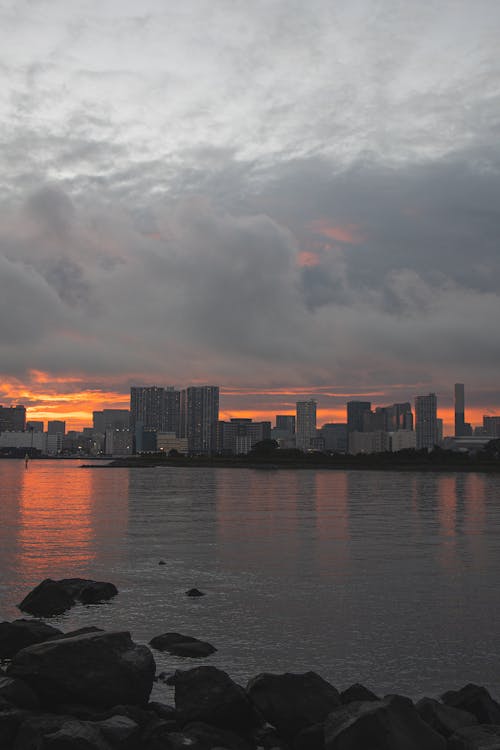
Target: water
point(391, 579)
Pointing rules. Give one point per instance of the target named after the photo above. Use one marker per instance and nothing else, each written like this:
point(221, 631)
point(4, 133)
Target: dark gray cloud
point(251, 194)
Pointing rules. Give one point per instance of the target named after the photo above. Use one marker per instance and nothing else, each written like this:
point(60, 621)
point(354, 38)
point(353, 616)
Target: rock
point(10, 721)
point(162, 710)
point(211, 737)
point(312, 738)
point(162, 562)
point(80, 631)
point(209, 695)
point(21, 633)
point(35, 727)
point(293, 702)
point(49, 598)
point(87, 591)
point(389, 724)
point(194, 592)
point(80, 735)
point(357, 692)
point(119, 731)
point(157, 735)
point(476, 700)
point(444, 719)
point(17, 692)
point(182, 645)
point(479, 737)
point(97, 669)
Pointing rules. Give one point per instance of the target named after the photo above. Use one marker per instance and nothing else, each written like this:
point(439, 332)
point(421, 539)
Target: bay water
point(391, 579)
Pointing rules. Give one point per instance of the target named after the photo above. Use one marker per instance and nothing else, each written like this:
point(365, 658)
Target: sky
point(286, 199)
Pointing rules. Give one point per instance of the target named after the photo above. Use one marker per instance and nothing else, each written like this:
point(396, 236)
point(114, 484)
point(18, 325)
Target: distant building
point(23, 439)
point(426, 421)
point(335, 437)
point(285, 422)
point(199, 418)
point(238, 436)
point(117, 442)
point(168, 441)
point(34, 425)
point(491, 426)
point(110, 419)
point(403, 440)
point(305, 424)
point(12, 418)
point(155, 408)
point(56, 427)
point(369, 442)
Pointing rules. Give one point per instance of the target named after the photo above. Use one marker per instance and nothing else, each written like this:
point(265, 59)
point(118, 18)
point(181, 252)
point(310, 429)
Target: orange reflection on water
point(55, 525)
point(447, 516)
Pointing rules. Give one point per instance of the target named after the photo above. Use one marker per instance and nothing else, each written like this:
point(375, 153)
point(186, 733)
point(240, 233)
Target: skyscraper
point(426, 422)
point(286, 422)
point(459, 410)
point(199, 418)
point(355, 415)
point(155, 408)
point(305, 424)
point(12, 418)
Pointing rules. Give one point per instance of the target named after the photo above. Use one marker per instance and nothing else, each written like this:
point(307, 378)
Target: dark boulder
point(444, 719)
point(80, 631)
point(357, 692)
point(47, 599)
point(389, 724)
point(87, 591)
point(120, 731)
point(157, 735)
point(35, 727)
point(194, 592)
point(11, 720)
point(479, 737)
point(76, 735)
point(21, 633)
point(209, 695)
point(162, 710)
point(312, 738)
point(182, 645)
point(293, 702)
point(17, 693)
point(211, 737)
point(476, 700)
point(96, 669)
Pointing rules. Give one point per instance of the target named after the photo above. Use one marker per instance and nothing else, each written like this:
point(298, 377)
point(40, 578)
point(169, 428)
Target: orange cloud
point(349, 234)
point(307, 258)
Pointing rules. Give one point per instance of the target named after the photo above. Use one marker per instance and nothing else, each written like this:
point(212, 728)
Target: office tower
point(426, 422)
point(56, 427)
point(154, 408)
point(355, 415)
point(305, 424)
point(491, 426)
point(12, 418)
point(335, 437)
point(240, 435)
point(199, 417)
point(34, 425)
point(285, 422)
point(459, 409)
point(110, 419)
point(462, 428)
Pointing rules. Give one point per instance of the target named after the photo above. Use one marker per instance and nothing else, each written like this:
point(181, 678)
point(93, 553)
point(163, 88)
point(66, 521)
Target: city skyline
point(272, 407)
point(285, 199)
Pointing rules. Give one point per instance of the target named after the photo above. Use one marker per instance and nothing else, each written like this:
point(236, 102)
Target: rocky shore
point(90, 690)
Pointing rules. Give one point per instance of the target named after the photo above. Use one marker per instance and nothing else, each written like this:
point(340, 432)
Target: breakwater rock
point(90, 691)
point(51, 598)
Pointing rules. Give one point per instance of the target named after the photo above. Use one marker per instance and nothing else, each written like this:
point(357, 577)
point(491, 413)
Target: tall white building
point(426, 421)
point(305, 424)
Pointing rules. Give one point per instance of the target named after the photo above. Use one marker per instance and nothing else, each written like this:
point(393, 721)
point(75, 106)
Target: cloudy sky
point(288, 199)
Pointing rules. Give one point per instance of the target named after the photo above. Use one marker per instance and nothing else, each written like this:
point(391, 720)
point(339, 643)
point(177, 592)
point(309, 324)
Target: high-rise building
point(110, 419)
point(305, 424)
point(459, 409)
point(34, 425)
point(240, 435)
point(335, 437)
point(426, 421)
point(12, 418)
point(355, 415)
point(199, 412)
point(56, 427)
point(154, 408)
point(491, 426)
point(286, 422)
